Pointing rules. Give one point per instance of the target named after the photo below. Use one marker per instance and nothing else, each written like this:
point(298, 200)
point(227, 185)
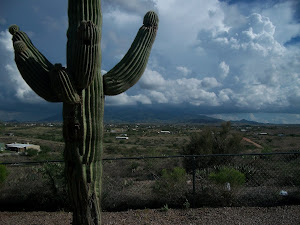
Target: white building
point(165, 132)
point(17, 147)
point(122, 137)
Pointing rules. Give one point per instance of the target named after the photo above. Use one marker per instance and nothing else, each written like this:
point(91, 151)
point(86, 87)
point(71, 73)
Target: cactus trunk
point(82, 88)
point(83, 133)
point(83, 123)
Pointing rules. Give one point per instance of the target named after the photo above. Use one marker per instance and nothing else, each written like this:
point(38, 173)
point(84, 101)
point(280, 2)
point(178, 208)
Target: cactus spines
point(82, 88)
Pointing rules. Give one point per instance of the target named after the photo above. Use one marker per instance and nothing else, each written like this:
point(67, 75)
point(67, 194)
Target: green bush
point(267, 149)
point(31, 152)
point(176, 175)
point(230, 175)
point(172, 186)
point(45, 149)
point(3, 173)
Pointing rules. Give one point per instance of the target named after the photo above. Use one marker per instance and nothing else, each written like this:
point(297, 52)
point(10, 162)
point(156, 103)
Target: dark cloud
point(293, 41)
point(296, 10)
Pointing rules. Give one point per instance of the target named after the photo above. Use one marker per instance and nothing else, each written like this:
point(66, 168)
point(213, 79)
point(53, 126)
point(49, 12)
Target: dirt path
point(252, 142)
point(286, 215)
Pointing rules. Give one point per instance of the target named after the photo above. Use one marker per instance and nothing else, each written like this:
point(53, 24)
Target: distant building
point(263, 133)
point(165, 132)
point(17, 147)
point(122, 137)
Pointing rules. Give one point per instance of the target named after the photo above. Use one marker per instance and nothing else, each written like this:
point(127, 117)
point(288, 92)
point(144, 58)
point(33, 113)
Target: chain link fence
point(153, 182)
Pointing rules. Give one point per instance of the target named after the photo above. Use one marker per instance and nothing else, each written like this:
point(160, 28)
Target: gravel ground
point(289, 215)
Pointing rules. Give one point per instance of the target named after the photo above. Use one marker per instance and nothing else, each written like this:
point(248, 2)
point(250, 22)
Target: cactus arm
point(63, 85)
point(50, 82)
point(22, 36)
point(129, 70)
point(33, 66)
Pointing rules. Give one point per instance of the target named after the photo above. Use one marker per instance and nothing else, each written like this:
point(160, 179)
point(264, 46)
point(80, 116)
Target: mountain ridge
point(150, 114)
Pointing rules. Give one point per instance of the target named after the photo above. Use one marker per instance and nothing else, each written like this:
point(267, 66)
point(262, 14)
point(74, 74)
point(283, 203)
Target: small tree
point(211, 141)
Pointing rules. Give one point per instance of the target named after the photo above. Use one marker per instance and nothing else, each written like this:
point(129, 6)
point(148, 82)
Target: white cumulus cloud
point(184, 70)
point(124, 99)
point(224, 69)
point(13, 80)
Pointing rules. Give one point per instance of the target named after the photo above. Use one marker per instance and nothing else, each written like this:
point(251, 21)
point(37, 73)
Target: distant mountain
point(148, 114)
point(55, 118)
point(12, 121)
point(249, 122)
point(155, 114)
point(152, 114)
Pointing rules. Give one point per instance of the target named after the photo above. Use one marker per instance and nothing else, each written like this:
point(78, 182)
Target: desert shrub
point(134, 165)
point(54, 175)
point(165, 208)
point(186, 204)
point(112, 149)
point(51, 136)
point(132, 151)
point(228, 175)
point(288, 172)
point(248, 170)
point(107, 140)
point(46, 154)
point(295, 154)
point(45, 149)
point(31, 152)
point(121, 142)
point(269, 140)
point(211, 141)
point(267, 149)
point(3, 173)
point(172, 186)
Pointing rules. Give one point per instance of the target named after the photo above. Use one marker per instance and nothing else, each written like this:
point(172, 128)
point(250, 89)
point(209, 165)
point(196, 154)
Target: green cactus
point(82, 88)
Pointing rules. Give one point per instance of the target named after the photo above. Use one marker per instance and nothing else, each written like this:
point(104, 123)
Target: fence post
point(194, 179)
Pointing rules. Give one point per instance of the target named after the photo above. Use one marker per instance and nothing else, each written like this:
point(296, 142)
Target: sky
point(232, 59)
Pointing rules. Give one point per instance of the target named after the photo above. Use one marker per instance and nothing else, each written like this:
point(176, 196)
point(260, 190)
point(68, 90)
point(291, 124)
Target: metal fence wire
point(269, 179)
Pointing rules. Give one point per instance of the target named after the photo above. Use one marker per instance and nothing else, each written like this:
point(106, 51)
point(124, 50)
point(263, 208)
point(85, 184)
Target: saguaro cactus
point(82, 88)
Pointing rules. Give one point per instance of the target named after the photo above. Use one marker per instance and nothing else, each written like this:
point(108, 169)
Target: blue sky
point(232, 59)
